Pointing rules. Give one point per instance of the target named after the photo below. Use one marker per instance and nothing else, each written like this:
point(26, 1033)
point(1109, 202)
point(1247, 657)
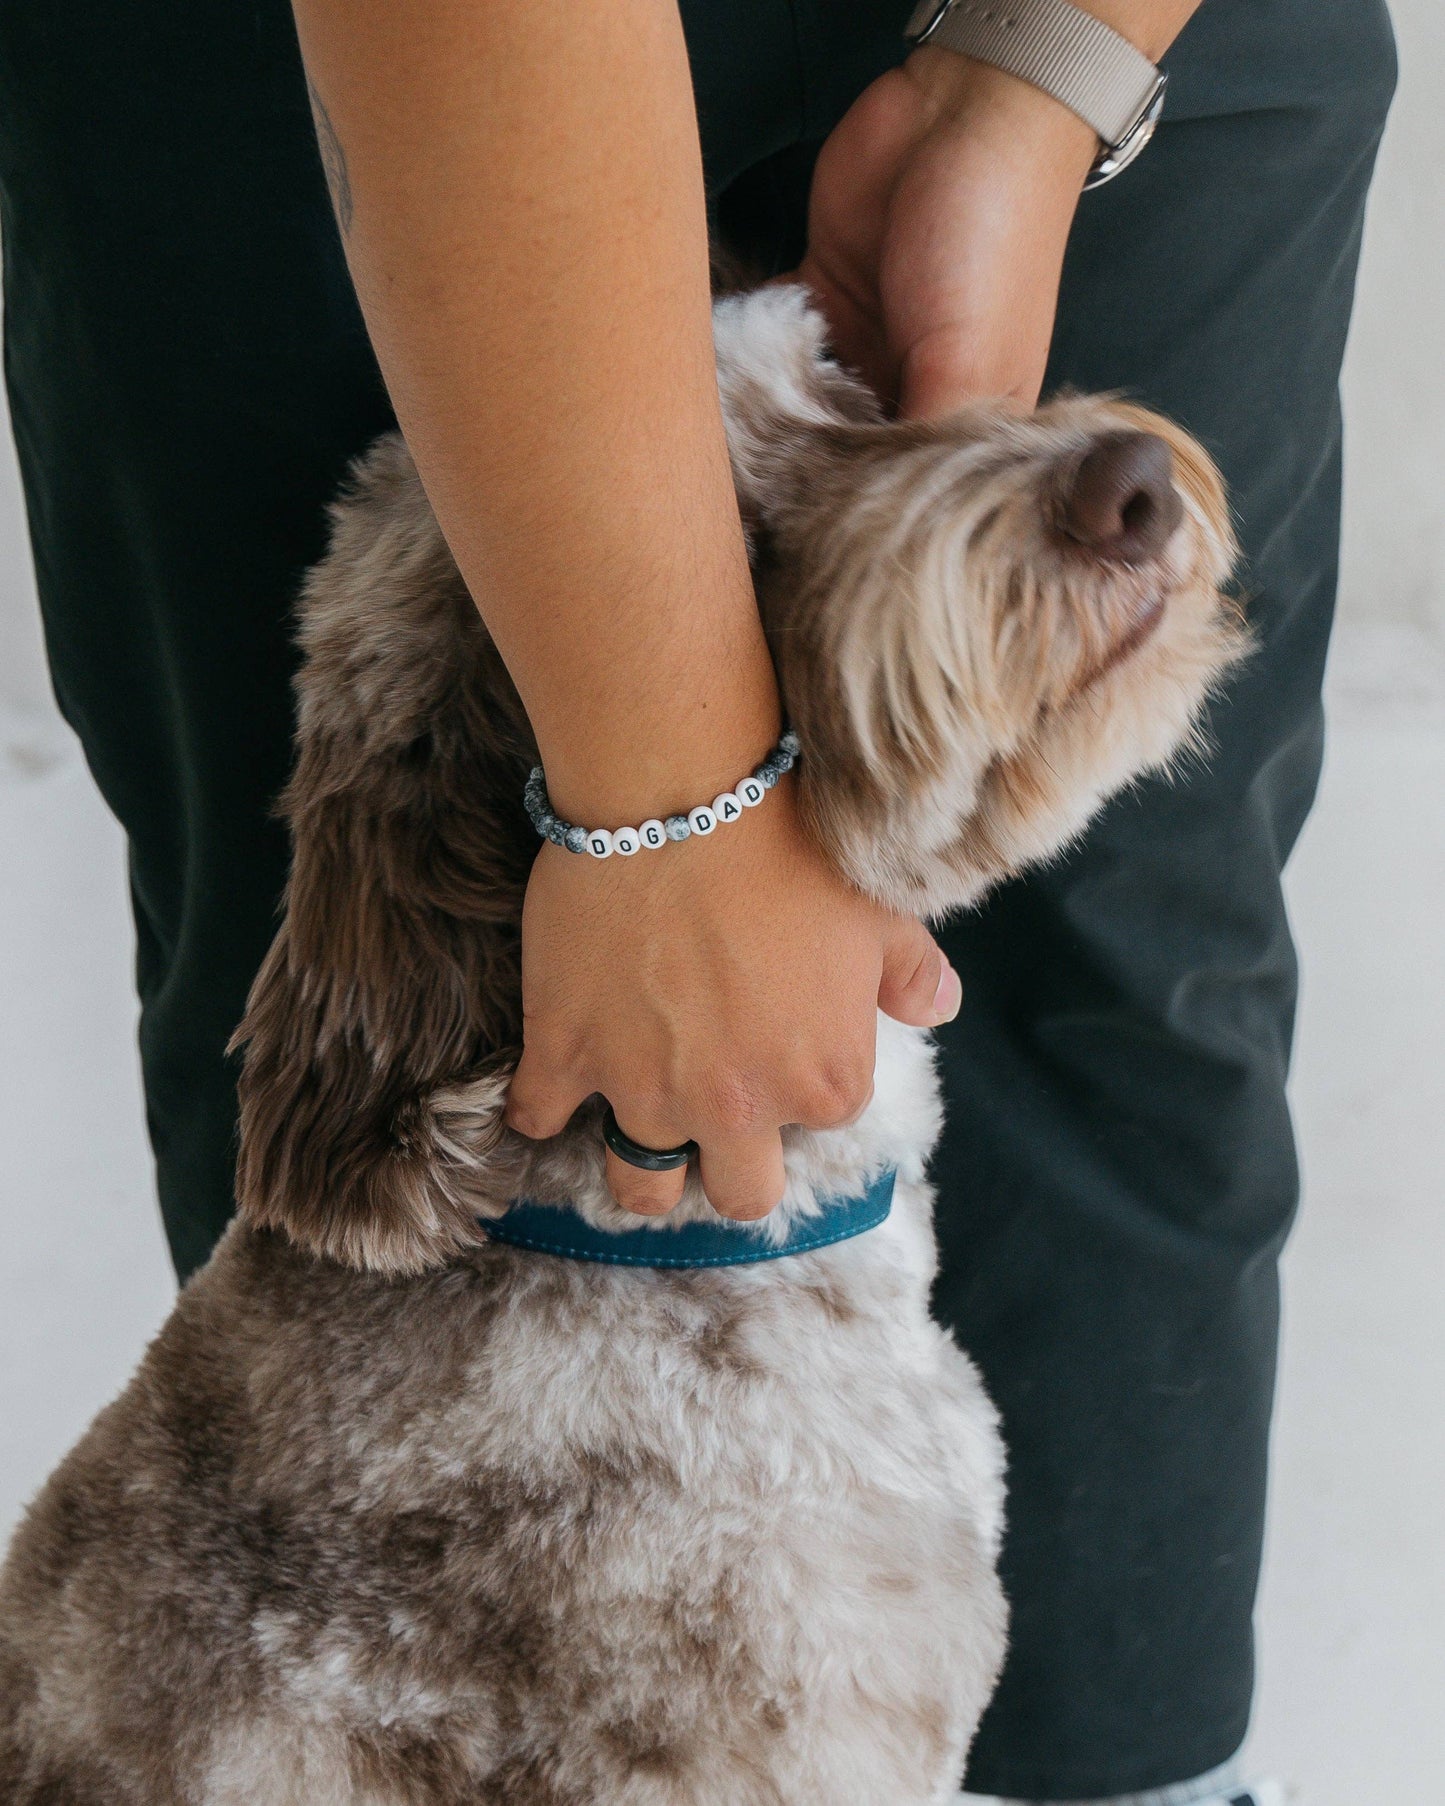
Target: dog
point(396, 1513)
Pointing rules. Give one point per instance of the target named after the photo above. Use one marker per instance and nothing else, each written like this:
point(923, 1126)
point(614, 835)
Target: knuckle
point(644, 1109)
point(924, 976)
point(524, 1121)
point(530, 1117)
point(650, 1128)
point(735, 1103)
point(838, 1093)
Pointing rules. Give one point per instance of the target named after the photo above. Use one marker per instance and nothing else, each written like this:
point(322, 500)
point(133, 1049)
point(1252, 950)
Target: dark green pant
point(189, 376)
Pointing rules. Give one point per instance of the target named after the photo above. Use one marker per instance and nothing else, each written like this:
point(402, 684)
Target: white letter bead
point(652, 833)
point(626, 841)
point(749, 793)
point(701, 821)
point(727, 808)
point(599, 843)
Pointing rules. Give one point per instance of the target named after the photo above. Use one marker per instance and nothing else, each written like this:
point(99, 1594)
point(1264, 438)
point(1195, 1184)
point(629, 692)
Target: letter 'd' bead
point(726, 808)
point(701, 821)
point(599, 843)
point(750, 793)
point(626, 841)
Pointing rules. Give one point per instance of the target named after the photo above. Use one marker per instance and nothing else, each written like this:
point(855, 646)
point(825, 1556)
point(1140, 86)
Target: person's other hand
point(713, 991)
point(940, 209)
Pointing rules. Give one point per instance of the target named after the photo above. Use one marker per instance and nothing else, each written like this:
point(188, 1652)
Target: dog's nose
point(1122, 503)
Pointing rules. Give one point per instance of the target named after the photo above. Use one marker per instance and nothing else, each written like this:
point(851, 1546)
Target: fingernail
point(948, 998)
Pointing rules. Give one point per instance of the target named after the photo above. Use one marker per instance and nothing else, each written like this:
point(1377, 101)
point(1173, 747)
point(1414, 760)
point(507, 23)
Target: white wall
point(1394, 568)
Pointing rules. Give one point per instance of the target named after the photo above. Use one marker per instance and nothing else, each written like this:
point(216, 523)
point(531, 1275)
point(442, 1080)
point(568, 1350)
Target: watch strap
point(1055, 46)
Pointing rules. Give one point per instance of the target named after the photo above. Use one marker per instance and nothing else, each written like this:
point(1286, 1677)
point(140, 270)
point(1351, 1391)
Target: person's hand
point(940, 209)
point(712, 991)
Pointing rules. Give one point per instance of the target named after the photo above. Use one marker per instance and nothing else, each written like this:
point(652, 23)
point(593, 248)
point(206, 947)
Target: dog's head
point(983, 626)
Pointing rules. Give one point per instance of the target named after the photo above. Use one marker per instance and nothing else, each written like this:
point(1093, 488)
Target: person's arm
point(941, 208)
point(521, 195)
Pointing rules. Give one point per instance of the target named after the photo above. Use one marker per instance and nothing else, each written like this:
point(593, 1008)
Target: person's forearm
point(521, 195)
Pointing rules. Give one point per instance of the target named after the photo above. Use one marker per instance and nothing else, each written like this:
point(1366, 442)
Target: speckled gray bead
point(676, 828)
point(575, 839)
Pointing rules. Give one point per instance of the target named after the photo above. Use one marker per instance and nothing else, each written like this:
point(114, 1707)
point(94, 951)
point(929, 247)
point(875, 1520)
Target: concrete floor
point(1353, 1614)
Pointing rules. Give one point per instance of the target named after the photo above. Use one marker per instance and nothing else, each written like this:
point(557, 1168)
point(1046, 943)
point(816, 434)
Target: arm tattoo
point(333, 159)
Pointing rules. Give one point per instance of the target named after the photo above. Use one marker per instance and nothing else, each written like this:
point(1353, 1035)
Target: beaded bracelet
point(601, 842)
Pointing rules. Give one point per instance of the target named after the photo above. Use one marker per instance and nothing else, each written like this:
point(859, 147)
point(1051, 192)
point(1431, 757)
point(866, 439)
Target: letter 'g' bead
point(599, 843)
point(727, 808)
point(750, 793)
point(626, 841)
point(652, 833)
point(701, 821)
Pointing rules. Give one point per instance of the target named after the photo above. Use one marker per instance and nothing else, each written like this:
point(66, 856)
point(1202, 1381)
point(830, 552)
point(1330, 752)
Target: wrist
point(634, 750)
point(1028, 125)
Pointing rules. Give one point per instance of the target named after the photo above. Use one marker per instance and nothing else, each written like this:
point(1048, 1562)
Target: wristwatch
point(1065, 51)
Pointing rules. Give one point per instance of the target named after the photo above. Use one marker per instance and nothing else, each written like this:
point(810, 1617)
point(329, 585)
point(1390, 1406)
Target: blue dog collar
point(557, 1229)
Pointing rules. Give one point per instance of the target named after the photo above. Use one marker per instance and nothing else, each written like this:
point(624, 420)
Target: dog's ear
point(381, 1030)
point(780, 389)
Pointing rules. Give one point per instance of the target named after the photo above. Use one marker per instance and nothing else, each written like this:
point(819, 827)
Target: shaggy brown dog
point(393, 1514)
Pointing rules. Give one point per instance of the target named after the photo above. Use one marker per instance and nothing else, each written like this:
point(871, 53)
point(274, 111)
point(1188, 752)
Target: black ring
point(650, 1160)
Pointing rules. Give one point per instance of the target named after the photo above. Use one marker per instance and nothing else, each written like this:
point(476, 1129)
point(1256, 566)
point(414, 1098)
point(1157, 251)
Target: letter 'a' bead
point(652, 833)
point(626, 841)
point(750, 793)
point(727, 808)
point(701, 821)
point(599, 843)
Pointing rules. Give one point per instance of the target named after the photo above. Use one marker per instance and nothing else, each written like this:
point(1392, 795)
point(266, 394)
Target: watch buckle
point(1114, 159)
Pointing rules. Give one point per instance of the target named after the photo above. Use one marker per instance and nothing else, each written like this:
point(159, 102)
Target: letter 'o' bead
point(727, 808)
point(599, 843)
point(652, 833)
point(701, 821)
point(750, 793)
point(626, 841)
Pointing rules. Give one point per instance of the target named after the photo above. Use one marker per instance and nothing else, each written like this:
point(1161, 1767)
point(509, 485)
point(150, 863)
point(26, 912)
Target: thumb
point(918, 985)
